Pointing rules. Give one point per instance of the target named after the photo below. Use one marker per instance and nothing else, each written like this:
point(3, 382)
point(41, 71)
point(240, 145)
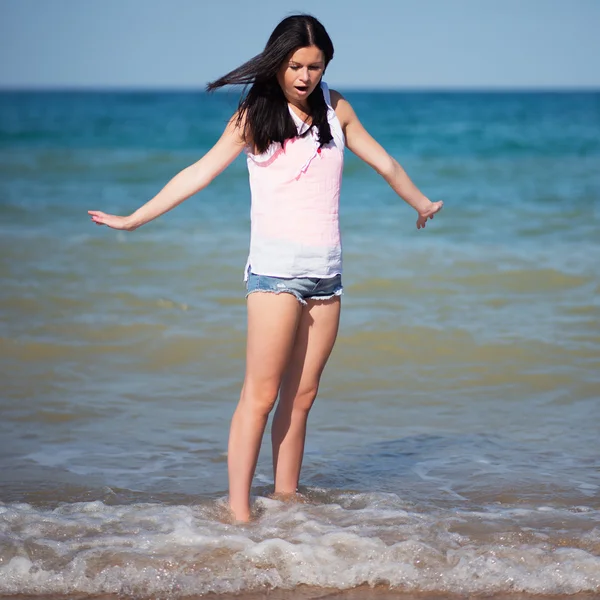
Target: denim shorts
point(303, 288)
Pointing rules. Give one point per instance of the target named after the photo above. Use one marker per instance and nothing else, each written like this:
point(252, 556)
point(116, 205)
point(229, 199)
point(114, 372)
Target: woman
point(293, 130)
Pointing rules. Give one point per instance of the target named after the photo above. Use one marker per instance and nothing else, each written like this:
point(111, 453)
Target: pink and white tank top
point(295, 189)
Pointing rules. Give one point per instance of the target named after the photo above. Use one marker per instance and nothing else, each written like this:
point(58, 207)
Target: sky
point(401, 44)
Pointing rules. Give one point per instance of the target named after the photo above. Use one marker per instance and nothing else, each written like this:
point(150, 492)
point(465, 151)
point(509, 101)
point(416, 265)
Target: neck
point(301, 106)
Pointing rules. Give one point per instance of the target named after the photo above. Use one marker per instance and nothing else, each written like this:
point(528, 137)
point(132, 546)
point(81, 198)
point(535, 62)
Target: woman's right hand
point(427, 213)
point(112, 221)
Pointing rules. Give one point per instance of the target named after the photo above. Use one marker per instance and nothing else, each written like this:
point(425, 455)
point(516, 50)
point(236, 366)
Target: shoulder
point(335, 97)
point(236, 128)
point(342, 108)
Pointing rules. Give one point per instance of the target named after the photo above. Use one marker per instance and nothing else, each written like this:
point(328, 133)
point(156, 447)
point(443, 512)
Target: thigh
point(272, 325)
point(315, 338)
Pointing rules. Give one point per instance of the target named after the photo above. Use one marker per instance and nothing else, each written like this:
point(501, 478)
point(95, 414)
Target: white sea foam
point(149, 549)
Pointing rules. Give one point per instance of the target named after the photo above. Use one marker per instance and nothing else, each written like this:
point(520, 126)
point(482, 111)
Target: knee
point(260, 398)
point(304, 400)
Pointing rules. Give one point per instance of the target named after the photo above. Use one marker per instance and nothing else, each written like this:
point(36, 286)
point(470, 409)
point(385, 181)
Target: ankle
point(286, 491)
point(240, 514)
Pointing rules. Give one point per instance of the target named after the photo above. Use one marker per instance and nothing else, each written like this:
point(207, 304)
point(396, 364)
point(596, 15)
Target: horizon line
point(349, 88)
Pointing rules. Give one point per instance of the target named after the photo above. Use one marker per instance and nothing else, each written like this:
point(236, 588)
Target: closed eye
point(312, 67)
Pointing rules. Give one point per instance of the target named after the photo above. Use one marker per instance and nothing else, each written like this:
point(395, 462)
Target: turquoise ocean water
point(455, 444)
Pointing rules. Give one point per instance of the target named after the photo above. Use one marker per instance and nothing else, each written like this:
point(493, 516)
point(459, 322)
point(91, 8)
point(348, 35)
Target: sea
point(454, 448)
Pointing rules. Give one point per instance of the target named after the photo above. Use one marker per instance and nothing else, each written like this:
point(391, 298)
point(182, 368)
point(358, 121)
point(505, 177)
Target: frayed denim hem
point(336, 293)
point(295, 294)
point(298, 296)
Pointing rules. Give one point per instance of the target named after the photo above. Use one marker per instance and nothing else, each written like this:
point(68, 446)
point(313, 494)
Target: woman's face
point(300, 73)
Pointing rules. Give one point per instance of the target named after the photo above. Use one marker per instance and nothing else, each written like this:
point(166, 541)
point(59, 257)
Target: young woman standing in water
point(293, 130)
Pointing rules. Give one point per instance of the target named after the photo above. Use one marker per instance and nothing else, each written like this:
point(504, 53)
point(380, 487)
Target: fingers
point(422, 220)
point(98, 217)
point(112, 221)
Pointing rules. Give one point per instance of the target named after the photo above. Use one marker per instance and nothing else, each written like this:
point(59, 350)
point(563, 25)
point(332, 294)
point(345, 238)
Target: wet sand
point(311, 593)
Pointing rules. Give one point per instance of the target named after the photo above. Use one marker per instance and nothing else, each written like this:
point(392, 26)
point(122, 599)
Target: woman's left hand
point(428, 213)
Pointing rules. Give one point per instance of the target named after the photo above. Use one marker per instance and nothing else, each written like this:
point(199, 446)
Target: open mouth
point(301, 88)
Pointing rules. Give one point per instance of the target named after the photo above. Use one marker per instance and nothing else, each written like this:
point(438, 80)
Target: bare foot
point(221, 511)
point(245, 515)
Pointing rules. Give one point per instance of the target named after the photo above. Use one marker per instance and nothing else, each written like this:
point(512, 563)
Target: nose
point(304, 74)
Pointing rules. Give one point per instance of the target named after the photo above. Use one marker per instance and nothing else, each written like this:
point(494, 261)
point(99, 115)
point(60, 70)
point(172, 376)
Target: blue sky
point(384, 44)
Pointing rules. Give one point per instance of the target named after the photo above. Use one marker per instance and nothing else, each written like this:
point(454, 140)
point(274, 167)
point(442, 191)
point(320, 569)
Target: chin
point(308, 93)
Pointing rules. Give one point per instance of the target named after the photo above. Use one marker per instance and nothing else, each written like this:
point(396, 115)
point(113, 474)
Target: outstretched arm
point(365, 147)
point(186, 183)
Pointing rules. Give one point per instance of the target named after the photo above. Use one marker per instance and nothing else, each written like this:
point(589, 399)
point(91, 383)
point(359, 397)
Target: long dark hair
point(264, 107)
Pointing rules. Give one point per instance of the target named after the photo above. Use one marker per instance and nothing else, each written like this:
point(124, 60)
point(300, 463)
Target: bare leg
point(272, 324)
point(316, 335)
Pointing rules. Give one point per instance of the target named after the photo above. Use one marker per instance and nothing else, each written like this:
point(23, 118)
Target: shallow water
point(454, 447)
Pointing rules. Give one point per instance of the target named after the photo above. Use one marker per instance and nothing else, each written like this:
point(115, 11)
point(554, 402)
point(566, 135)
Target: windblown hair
point(264, 109)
